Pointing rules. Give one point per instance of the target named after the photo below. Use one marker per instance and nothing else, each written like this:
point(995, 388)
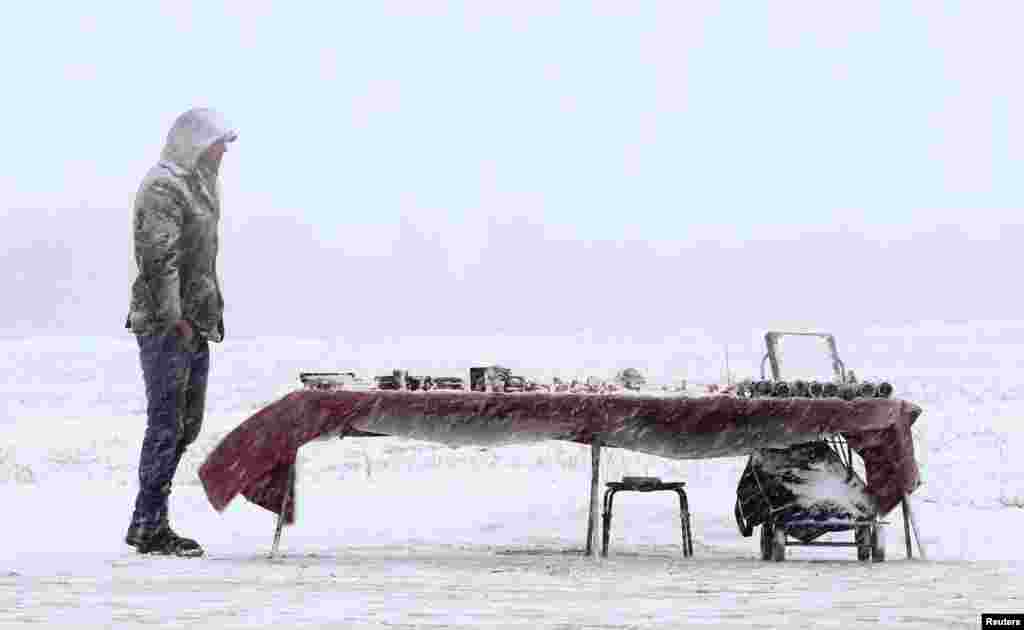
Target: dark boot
point(163, 541)
point(140, 535)
point(188, 545)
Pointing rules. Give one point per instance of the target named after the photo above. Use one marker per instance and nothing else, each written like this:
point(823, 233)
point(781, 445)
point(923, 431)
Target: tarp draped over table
point(254, 459)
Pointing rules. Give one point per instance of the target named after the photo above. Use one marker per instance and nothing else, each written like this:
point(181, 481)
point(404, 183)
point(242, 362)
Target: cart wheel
point(766, 541)
point(862, 536)
point(779, 544)
point(878, 544)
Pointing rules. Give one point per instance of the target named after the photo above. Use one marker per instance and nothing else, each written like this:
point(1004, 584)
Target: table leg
point(913, 524)
point(595, 482)
point(906, 528)
point(284, 508)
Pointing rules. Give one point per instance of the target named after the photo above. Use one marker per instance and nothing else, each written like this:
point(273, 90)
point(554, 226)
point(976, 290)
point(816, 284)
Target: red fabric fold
point(254, 459)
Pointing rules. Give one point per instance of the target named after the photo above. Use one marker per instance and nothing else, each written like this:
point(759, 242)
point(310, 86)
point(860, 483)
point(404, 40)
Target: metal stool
point(647, 484)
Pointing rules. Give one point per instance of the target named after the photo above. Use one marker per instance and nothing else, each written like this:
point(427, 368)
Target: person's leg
point(165, 370)
point(193, 403)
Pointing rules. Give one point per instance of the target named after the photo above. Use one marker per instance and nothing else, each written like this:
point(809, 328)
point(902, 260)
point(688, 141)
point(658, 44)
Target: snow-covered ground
point(399, 533)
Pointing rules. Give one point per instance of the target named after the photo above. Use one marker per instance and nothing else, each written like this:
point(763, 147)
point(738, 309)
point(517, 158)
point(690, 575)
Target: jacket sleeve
point(159, 214)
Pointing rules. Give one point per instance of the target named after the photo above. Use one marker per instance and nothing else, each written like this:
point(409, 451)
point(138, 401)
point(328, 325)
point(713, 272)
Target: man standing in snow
point(176, 309)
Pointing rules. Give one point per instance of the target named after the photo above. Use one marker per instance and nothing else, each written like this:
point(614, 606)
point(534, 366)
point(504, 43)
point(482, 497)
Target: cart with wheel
point(800, 493)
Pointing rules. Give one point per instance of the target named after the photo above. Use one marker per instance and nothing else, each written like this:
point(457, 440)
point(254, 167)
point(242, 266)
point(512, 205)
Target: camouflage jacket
point(177, 210)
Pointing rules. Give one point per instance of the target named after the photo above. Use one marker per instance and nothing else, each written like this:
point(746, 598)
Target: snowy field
point(394, 533)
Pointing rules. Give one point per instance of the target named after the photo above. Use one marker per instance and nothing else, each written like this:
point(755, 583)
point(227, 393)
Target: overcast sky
point(528, 167)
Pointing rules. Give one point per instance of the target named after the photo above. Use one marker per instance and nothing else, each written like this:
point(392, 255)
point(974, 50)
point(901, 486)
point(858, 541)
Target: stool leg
point(684, 520)
point(609, 499)
point(689, 524)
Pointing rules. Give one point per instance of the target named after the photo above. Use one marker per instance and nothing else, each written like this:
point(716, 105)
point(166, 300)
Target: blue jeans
point(175, 375)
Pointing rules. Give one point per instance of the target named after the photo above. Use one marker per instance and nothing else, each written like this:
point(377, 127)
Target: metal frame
point(868, 538)
point(771, 342)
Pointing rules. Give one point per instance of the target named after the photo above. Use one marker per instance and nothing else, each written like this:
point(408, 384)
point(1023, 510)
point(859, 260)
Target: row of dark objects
point(814, 389)
point(428, 383)
point(416, 383)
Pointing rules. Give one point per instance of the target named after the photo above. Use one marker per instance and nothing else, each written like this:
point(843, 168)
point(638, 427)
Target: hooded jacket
point(177, 209)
